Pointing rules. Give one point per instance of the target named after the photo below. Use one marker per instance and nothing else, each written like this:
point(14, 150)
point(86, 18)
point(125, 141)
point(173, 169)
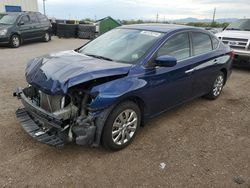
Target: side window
point(42, 18)
point(177, 46)
point(25, 19)
point(33, 18)
point(201, 43)
point(215, 42)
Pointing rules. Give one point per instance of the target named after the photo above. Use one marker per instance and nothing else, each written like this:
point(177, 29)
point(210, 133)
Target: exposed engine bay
point(62, 118)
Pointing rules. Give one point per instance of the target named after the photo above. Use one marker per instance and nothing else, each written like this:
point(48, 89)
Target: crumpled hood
point(234, 34)
point(56, 73)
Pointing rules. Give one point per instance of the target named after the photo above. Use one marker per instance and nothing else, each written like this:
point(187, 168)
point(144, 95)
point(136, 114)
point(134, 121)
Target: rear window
point(201, 43)
point(42, 18)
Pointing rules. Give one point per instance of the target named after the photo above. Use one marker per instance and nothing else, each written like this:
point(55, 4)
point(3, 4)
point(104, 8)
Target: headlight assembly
point(3, 32)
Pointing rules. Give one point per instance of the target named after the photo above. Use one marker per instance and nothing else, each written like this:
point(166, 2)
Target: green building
point(106, 24)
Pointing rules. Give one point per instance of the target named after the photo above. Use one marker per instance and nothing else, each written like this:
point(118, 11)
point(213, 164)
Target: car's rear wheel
point(217, 87)
point(47, 37)
point(15, 41)
point(121, 126)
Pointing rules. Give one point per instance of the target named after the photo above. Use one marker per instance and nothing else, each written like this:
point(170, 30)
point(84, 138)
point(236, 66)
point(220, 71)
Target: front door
point(171, 86)
point(26, 28)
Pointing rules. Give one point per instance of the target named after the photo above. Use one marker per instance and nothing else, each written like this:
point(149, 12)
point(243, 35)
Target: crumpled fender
point(110, 93)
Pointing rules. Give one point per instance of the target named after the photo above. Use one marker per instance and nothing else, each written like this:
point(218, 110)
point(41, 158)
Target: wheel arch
point(224, 71)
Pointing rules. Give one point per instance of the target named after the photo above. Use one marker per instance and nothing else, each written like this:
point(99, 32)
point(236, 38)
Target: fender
point(115, 91)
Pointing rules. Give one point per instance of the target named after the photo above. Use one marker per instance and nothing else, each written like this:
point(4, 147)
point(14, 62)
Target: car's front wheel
point(121, 126)
point(15, 41)
point(217, 87)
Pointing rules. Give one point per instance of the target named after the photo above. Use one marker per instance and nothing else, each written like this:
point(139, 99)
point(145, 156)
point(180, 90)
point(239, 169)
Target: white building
point(18, 5)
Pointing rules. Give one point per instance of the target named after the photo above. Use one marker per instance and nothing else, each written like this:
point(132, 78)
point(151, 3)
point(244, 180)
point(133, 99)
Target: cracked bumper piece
point(29, 125)
point(33, 120)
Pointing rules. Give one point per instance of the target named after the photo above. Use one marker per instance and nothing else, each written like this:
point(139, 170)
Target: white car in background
point(237, 36)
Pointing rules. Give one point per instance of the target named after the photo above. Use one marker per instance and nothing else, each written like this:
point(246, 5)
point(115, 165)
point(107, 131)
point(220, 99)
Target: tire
point(117, 134)
point(217, 87)
point(86, 28)
point(15, 41)
point(86, 35)
point(46, 37)
point(67, 30)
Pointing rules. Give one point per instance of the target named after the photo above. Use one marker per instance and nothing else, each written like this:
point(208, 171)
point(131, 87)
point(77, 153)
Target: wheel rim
point(15, 41)
point(46, 36)
point(124, 127)
point(218, 85)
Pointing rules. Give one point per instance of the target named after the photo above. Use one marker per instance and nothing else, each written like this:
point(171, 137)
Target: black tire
point(218, 83)
point(15, 41)
point(86, 35)
point(107, 138)
point(86, 28)
point(47, 37)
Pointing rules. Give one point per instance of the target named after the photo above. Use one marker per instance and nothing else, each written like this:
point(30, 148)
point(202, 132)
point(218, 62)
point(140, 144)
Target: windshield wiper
point(99, 57)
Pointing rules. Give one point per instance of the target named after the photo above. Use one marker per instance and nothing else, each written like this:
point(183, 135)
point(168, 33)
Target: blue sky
point(146, 9)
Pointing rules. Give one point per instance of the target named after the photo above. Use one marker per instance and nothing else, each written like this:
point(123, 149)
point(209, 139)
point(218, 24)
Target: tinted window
point(42, 18)
point(33, 18)
point(177, 46)
point(201, 42)
point(215, 42)
point(25, 19)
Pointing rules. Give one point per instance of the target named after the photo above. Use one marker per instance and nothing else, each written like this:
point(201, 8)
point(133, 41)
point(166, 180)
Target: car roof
point(163, 28)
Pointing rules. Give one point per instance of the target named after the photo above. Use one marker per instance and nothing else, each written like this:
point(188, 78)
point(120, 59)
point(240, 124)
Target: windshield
point(8, 19)
point(121, 45)
point(242, 25)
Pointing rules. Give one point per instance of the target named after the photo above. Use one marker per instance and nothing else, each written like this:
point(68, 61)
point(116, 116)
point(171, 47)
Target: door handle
point(189, 71)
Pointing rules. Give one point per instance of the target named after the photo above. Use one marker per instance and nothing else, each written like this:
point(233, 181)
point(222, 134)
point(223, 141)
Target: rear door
point(205, 62)
point(44, 24)
point(36, 26)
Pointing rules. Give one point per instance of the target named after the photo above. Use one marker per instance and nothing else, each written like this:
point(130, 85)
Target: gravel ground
point(200, 144)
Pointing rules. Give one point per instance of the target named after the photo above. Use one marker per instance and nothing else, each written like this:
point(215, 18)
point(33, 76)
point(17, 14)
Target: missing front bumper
point(29, 125)
point(33, 118)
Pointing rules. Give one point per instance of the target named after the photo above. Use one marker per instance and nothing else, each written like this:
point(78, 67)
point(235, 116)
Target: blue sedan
point(102, 92)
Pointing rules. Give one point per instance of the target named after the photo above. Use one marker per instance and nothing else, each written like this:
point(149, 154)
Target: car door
point(205, 62)
point(25, 28)
point(171, 86)
point(36, 26)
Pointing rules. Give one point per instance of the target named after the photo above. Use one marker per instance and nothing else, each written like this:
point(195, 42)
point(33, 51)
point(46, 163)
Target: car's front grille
point(236, 43)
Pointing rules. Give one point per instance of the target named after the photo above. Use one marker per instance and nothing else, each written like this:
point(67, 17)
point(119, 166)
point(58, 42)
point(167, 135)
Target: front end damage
point(56, 119)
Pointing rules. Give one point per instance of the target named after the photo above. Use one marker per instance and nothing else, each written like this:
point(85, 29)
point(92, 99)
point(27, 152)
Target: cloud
point(146, 9)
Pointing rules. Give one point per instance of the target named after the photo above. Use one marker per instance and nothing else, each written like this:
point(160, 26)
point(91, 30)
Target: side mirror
point(166, 61)
point(21, 23)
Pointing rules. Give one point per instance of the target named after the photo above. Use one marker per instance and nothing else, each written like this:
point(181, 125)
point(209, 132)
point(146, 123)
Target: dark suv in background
point(19, 27)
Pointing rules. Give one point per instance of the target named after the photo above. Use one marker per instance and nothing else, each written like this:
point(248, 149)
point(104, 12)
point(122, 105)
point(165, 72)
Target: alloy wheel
point(15, 41)
point(46, 37)
point(124, 127)
point(218, 85)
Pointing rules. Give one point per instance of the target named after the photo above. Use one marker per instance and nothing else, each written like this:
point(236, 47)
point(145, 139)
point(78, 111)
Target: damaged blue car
point(102, 92)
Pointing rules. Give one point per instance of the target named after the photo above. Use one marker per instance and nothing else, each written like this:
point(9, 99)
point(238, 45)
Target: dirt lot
point(203, 143)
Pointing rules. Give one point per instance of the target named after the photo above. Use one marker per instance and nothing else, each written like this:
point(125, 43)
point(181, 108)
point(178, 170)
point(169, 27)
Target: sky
point(146, 9)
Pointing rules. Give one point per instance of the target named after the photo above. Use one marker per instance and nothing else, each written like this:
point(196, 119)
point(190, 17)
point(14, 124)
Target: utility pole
point(157, 17)
point(214, 15)
point(44, 11)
